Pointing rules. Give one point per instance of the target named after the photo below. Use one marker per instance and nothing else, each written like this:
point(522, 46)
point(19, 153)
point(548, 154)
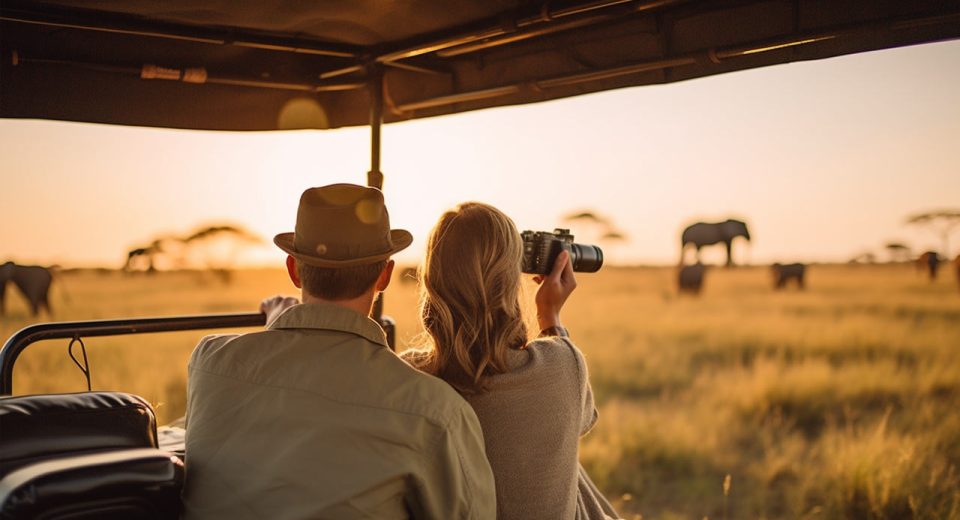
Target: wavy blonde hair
point(470, 296)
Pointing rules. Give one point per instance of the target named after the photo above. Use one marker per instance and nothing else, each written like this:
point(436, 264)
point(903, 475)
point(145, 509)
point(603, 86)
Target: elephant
point(929, 262)
point(707, 233)
point(690, 278)
point(32, 280)
point(783, 273)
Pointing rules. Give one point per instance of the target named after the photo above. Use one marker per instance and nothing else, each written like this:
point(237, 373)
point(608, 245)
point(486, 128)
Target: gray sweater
point(532, 418)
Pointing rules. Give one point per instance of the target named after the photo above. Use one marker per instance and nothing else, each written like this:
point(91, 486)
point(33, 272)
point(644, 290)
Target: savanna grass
point(836, 402)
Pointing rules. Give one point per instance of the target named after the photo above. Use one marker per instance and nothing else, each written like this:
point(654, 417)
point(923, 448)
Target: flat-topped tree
point(941, 222)
point(899, 252)
point(218, 246)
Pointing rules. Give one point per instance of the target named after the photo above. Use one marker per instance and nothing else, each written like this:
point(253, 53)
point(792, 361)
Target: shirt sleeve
point(459, 484)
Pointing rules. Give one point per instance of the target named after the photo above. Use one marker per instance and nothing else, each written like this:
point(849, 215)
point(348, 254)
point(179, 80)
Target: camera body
point(540, 250)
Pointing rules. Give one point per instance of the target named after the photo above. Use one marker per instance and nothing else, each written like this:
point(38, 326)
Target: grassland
point(837, 402)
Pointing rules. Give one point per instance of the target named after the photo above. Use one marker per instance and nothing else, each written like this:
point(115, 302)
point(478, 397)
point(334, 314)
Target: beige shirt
point(316, 418)
point(532, 418)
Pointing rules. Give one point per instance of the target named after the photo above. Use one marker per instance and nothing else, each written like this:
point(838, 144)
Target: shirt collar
point(328, 316)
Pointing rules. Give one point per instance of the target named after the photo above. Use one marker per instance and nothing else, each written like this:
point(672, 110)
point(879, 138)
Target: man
point(316, 417)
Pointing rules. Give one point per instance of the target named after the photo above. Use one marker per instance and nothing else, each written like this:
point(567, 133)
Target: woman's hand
point(554, 290)
point(274, 305)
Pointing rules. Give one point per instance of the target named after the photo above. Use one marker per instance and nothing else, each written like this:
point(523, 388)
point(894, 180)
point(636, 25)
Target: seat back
point(37, 427)
point(85, 455)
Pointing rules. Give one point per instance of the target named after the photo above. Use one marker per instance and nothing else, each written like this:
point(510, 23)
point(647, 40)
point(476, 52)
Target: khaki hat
point(342, 225)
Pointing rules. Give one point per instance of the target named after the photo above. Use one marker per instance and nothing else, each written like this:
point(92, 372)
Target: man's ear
point(292, 271)
point(383, 281)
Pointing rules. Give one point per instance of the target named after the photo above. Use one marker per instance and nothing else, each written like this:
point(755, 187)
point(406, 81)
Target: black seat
point(86, 455)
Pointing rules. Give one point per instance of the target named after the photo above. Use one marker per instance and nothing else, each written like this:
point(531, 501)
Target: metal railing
point(17, 343)
point(84, 329)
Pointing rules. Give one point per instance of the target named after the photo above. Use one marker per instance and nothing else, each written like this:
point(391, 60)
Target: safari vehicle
point(276, 66)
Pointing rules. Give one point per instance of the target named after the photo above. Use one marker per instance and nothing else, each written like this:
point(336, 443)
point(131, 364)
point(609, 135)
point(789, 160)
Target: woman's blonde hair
point(470, 296)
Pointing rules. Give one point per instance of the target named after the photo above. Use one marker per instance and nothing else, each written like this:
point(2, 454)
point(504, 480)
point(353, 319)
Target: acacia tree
point(898, 252)
point(587, 216)
point(161, 248)
point(601, 228)
point(212, 247)
point(941, 222)
point(218, 247)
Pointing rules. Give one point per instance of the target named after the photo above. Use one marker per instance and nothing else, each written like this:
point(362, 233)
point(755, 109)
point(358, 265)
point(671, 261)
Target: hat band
point(340, 252)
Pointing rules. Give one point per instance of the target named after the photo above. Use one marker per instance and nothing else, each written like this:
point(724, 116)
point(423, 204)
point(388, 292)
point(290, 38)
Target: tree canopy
point(941, 221)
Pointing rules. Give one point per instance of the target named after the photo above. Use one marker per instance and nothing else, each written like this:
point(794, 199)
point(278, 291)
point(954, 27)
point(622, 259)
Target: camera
point(540, 250)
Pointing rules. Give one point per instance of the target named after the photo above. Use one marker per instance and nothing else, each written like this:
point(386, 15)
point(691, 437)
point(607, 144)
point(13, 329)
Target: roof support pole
point(375, 176)
point(375, 180)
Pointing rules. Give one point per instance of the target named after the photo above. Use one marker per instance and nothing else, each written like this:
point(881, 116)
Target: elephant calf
point(32, 280)
point(783, 273)
point(690, 278)
point(929, 262)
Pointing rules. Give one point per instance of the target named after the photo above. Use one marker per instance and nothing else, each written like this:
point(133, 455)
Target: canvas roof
point(276, 64)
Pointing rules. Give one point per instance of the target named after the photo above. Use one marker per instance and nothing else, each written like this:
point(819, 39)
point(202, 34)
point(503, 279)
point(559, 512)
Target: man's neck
point(361, 304)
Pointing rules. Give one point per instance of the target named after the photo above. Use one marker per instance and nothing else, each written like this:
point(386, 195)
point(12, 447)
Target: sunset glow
point(823, 159)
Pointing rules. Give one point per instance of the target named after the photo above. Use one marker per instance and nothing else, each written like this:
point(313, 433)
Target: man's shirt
point(316, 417)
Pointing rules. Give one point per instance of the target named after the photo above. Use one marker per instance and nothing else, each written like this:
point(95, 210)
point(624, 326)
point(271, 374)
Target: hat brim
point(401, 239)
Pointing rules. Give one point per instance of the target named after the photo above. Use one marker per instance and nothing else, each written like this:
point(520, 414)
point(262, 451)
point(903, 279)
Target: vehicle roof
point(275, 64)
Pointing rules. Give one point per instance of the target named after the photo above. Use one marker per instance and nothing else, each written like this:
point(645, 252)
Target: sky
point(824, 160)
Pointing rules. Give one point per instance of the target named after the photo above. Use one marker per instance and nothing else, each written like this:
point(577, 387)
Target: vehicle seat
point(85, 455)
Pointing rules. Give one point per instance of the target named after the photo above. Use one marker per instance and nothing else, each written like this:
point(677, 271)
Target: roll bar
point(87, 329)
point(82, 329)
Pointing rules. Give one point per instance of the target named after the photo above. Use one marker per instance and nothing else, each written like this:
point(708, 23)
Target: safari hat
point(342, 225)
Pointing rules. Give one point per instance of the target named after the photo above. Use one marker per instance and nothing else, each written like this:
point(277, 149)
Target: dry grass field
point(837, 402)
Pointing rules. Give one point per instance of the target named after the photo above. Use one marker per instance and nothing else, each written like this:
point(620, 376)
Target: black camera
point(540, 250)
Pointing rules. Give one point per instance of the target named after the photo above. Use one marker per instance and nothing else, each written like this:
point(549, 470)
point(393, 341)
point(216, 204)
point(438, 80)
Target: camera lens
point(586, 258)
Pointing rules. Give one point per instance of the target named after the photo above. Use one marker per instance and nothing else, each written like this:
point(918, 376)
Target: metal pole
point(68, 19)
point(541, 21)
point(375, 176)
point(196, 75)
point(83, 329)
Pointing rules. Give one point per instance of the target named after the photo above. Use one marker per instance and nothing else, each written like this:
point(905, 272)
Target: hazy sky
point(823, 159)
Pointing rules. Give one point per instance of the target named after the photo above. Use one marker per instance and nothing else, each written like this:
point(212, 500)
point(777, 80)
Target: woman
point(533, 398)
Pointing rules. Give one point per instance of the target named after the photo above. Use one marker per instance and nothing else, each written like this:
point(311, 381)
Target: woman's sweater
point(532, 418)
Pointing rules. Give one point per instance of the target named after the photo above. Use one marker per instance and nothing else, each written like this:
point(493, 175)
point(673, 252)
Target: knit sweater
point(532, 418)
